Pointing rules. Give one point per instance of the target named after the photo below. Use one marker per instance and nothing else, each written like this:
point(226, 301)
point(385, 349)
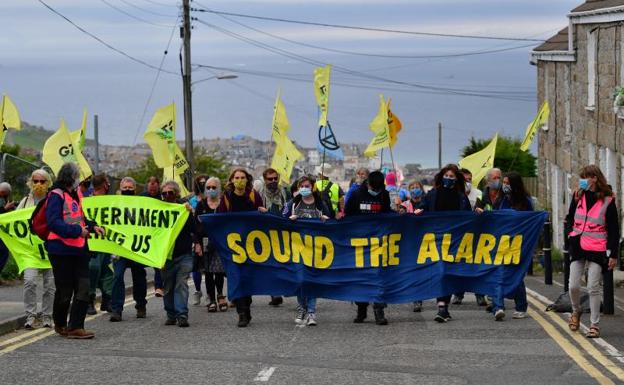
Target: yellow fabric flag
point(379, 126)
point(394, 126)
point(160, 135)
point(80, 136)
point(179, 162)
point(169, 173)
point(9, 117)
point(280, 120)
point(321, 92)
point(481, 161)
point(60, 149)
point(284, 158)
point(540, 120)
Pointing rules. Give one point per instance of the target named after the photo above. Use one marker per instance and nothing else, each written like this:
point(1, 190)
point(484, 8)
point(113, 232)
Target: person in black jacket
point(370, 198)
point(448, 194)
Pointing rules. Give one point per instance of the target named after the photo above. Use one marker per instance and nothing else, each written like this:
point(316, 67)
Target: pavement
point(413, 349)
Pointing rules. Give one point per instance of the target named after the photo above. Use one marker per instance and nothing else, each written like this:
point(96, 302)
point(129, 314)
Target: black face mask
point(201, 187)
point(127, 192)
point(272, 186)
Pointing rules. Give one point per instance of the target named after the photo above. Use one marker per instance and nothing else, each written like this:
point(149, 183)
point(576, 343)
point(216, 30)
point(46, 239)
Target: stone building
point(578, 72)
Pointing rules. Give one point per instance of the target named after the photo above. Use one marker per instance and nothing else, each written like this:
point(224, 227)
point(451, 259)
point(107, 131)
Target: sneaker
point(115, 317)
point(481, 301)
point(243, 320)
point(91, 309)
point(380, 317)
point(47, 321)
point(30, 323)
point(197, 298)
point(489, 307)
point(457, 300)
point(311, 319)
point(276, 301)
point(499, 315)
point(519, 315)
point(417, 306)
point(301, 315)
point(442, 316)
point(80, 334)
point(159, 293)
point(183, 322)
point(170, 321)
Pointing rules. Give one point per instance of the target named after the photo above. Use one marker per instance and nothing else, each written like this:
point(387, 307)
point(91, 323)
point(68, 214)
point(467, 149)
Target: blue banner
point(376, 258)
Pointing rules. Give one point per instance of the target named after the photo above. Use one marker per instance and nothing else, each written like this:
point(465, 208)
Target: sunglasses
point(168, 193)
point(211, 187)
point(272, 179)
point(38, 181)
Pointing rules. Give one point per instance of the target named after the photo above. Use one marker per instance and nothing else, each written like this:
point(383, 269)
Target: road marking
point(615, 298)
point(39, 334)
point(570, 349)
point(265, 374)
point(584, 343)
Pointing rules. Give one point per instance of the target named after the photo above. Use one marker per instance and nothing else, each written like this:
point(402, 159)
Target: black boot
point(380, 318)
point(91, 307)
point(361, 313)
point(106, 304)
point(243, 320)
point(276, 301)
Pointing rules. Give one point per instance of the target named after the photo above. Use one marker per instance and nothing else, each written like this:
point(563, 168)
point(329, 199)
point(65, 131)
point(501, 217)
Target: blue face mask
point(305, 191)
point(373, 192)
point(584, 184)
point(212, 193)
point(506, 189)
point(416, 193)
point(448, 182)
point(495, 185)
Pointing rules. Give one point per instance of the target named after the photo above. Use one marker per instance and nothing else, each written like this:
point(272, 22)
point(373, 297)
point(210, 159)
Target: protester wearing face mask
point(492, 195)
point(448, 194)
point(100, 274)
point(416, 194)
point(238, 196)
point(370, 198)
point(68, 252)
point(361, 175)
point(393, 191)
point(38, 183)
point(594, 232)
point(212, 265)
point(127, 187)
point(199, 184)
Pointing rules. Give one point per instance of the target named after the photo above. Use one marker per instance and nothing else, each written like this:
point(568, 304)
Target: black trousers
point(376, 305)
point(214, 281)
point(243, 305)
point(446, 299)
point(71, 277)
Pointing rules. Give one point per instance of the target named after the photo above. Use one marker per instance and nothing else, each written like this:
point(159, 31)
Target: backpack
point(38, 223)
point(326, 198)
point(563, 304)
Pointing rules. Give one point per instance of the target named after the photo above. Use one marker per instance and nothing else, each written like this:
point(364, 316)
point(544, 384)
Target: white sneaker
point(30, 323)
point(499, 315)
point(519, 315)
point(311, 320)
point(47, 321)
point(301, 315)
point(197, 298)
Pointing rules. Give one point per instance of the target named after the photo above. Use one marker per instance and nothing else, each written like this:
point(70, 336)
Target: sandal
point(212, 307)
point(594, 332)
point(223, 306)
point(574, 322)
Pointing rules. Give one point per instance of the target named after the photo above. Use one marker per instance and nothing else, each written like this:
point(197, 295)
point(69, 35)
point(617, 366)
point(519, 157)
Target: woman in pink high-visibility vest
point(593, 242)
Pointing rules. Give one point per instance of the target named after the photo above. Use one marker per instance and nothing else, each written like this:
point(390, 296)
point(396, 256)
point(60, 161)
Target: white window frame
point(591, 68)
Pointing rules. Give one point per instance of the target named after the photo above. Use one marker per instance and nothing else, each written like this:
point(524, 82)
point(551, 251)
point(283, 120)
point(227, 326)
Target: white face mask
point(76, 184)
point(468, 187)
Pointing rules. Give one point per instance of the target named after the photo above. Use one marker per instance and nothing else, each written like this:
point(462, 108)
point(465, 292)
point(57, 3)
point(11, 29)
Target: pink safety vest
point(592, 225)
point(73, 215)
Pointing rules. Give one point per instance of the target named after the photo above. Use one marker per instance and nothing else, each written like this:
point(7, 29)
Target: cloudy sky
point(52, 70)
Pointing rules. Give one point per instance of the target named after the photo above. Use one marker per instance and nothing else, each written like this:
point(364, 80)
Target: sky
point(51, 70)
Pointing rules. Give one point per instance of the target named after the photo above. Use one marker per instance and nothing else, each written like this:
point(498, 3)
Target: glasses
point(38, 181)
point(274, 179)
point(211, 187)
point(168, 193)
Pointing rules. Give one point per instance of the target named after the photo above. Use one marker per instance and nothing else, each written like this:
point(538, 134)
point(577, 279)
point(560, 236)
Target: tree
point(509, 157)
point(17, 168)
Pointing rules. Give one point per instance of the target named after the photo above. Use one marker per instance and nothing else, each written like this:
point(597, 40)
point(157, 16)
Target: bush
point(10, 271)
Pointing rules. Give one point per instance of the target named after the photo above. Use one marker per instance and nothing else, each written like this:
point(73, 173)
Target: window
point(591, 68)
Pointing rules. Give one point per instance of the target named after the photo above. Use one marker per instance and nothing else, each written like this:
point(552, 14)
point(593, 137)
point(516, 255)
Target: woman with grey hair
point(212, 264)
point(68, 253)
point(39, 183)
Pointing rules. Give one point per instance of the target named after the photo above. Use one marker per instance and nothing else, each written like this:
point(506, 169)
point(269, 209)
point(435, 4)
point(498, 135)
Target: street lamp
point(218, 77)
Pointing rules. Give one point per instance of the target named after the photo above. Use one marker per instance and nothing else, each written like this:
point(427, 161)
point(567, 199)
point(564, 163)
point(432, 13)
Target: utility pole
point(186, 83)
point(97, 144)
point(440, 145)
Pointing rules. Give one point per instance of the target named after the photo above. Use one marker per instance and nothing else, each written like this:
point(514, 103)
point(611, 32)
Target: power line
point(146, 10)
point(134, 16)
point(134, 59)
point(161, 4)
point(461, 36)
point(387, 56)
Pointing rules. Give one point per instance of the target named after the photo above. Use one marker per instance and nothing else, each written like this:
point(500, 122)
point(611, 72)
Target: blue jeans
point(307, 303)
point(158, 284)
point(519, 296)
point(139, 285)
point(175, 278)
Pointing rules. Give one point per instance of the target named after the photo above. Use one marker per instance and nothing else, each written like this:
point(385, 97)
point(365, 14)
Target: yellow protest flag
point(540, 119)
point(60, 149)
point(394, 126)
point(481, 161)
point(80, 136)
point(379, 126)
point(321, 92)
point(284, 158)
point(9, 117)
point(280, 120)
point(171, 173)
point(160, 135)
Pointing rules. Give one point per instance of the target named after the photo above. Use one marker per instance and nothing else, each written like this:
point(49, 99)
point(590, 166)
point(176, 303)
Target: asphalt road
point(412, 349)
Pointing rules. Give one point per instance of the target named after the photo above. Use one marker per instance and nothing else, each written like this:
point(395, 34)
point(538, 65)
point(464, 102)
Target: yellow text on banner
point(60, 148)
point(26, 248)
point(481, 161)
point(141, 229)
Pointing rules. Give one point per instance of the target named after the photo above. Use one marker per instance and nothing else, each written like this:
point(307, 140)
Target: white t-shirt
point(475, 194)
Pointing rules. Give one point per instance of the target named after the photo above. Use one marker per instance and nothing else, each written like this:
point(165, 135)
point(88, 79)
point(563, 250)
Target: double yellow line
point(12, 344)
point(579, 353)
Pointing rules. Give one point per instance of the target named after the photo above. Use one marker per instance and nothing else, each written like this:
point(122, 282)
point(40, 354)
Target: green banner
point(138, 228)
point(142, 229)
point(27, 249)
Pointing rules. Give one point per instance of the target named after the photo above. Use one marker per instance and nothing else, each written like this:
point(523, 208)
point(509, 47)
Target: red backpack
point(38, 222)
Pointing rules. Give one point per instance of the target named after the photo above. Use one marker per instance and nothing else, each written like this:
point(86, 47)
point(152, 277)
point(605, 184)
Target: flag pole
point(381, 161)
point(392, 160)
